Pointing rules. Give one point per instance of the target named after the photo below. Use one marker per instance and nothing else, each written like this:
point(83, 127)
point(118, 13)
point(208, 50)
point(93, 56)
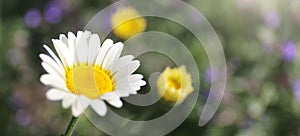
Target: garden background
point(260, 41)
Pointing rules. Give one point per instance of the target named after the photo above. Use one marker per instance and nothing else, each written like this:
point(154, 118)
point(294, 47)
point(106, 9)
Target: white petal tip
point(108, 41)
point(142, 83)
point(76, 114)
point(116, 103)
point(44, 80)
point(99, 107)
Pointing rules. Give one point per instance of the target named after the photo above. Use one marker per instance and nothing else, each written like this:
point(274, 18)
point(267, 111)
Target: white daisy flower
point(85, 74)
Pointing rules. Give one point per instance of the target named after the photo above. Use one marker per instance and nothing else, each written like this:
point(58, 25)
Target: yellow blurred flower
point(175, 84)
point(125, 27)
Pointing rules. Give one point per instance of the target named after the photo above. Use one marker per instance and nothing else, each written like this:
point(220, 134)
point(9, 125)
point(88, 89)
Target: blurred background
point(260, 41)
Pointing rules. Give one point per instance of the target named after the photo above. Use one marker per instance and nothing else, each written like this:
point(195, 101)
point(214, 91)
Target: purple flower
point(23, 117)
point(297, 90)
point(272, 19)
point(33, 18)
point(16, 101)
point(53, 13)
point(289, 51)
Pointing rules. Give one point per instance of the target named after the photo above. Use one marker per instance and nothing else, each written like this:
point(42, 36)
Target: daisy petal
point(121, 63)
point(112, 55)
point(99, 107)
point(80, 105)
point(50, 61)
point(134, 65)
point(53, 81)
point(68, 100)
point(52, 71)
point(122, 93)
point(71, 36)
point(131, 79)
point(63, 38)
point(133, 91)
point(110, 96)
point(62, 51)
point(82, 48)
point(52, 54)
point(71, 45)
point(117, 54)
point(55, 95)
point(132, 87)
point(47, 59)
point(135, 77)
point(79, 33)
point(127, 87)
point(107, 44)
point(138, 83)
point(116, 103)
point(127, 69)
point(94, 44)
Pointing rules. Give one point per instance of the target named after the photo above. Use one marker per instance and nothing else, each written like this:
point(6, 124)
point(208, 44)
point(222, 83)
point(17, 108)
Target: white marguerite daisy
point(86, 74)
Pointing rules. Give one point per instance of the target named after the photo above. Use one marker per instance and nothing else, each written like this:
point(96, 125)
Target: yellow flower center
point(90, 81)
point(174, 82)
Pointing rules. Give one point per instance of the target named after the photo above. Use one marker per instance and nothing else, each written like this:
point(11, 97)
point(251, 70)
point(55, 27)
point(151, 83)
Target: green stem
point(71, 126)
